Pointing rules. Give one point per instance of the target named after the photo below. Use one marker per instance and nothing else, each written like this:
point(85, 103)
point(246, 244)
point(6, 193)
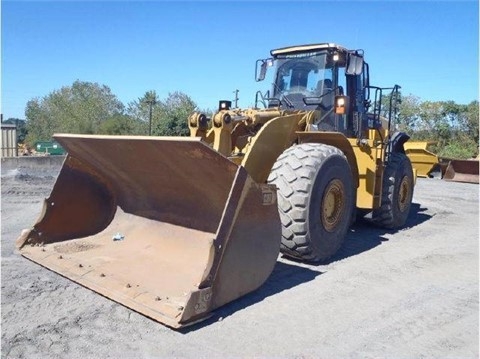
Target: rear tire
point(315, 200)
point(397, 193)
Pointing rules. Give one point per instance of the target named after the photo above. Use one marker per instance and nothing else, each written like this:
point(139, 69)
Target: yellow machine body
point(169, 226)
point(174, 227)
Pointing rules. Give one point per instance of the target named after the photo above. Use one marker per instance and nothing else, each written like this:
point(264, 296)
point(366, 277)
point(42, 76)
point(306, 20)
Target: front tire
point(315, 200)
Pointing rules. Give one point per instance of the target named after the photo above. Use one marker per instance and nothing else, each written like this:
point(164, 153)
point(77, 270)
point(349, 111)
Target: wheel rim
point(404, 194)
point(332, 205)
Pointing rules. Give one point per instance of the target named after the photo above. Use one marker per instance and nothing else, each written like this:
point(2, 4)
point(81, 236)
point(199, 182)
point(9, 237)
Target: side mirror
point(260, 73)
point(354, 64)
point(341, 105)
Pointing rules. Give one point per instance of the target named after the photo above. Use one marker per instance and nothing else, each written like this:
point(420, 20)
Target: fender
point(396, 142)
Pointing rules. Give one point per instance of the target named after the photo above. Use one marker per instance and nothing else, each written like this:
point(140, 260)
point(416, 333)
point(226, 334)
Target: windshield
point(299, 76)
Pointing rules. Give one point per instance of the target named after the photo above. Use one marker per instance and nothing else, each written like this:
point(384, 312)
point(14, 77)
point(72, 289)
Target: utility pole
point(151, 102)
point(150, 119)
point(236, 98)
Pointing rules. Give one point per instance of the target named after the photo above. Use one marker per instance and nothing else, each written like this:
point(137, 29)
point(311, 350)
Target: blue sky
point(208, 49)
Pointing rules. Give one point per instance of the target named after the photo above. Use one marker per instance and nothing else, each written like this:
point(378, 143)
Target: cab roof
point(298, 49)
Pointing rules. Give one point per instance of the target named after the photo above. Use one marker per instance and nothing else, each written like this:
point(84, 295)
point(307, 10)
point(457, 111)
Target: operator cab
point(313, 78)
point(304, 76)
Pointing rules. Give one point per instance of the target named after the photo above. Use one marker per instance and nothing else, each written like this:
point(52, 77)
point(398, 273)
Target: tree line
point(91, 108)
point(453, 127)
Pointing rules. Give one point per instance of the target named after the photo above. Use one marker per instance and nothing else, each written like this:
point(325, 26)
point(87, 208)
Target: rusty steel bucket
point(462, 171)
point(163, 225)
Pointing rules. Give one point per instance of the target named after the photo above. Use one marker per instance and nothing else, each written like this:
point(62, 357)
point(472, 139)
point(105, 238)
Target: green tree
point(120, 124)
point(469, 120)
point(169, 116)
point(454, 127)
point(174, 114)
point(145, 110)
point(80, 108)
point(408, 114)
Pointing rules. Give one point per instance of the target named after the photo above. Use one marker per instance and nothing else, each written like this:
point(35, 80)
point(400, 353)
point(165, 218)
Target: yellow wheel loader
point(174, 227)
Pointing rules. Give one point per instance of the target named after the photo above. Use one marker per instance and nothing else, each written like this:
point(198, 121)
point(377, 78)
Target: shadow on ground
point(362, 237)
point(283, 277)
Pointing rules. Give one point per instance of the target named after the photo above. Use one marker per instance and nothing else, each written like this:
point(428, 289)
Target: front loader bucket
point(163, 225)
point(425, 162)
point(462, 171)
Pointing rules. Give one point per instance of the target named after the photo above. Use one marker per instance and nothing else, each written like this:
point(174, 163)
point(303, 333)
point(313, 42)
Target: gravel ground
point(413, 293)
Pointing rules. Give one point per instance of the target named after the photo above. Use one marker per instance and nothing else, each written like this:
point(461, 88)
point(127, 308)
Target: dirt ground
point(413, 293)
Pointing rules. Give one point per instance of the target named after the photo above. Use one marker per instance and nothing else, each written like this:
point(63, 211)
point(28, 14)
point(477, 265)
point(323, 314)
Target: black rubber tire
point(397, 193)
point(315, 200)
